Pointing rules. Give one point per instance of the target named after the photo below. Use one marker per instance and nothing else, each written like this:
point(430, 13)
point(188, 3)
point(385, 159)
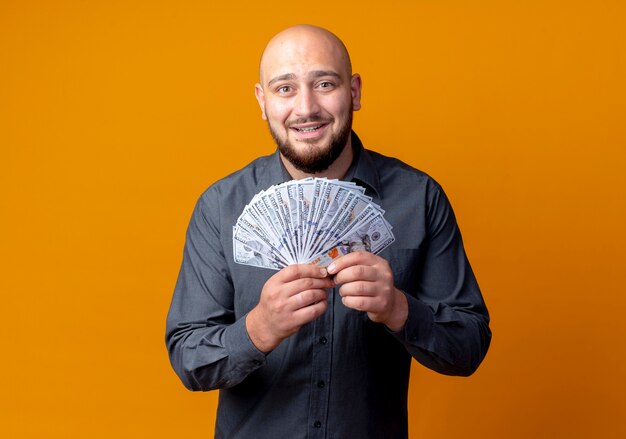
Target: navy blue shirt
point(342, 375)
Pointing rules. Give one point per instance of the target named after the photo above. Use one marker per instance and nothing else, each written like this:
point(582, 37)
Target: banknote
point(309, 221)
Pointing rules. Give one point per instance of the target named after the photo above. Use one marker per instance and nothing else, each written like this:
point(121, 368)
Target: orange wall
point(115, 115)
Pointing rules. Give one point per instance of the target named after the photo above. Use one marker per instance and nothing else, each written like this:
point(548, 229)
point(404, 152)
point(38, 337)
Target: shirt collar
point(362, 170)
point(274, 173)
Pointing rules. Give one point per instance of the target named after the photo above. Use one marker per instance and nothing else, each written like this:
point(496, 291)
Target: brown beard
point(314, 162)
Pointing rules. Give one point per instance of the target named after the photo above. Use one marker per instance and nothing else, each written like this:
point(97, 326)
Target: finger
point(307, 298)
point(356, 273)
point(355, 258)
point(308, 283)
point(299, 271)
point(309, 313)
point(359, 288)
point(361, 303)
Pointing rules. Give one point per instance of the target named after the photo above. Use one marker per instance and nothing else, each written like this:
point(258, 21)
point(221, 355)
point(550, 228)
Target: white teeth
point(308, 130)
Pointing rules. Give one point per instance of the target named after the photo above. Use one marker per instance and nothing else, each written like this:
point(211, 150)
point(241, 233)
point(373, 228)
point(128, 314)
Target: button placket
point(320, 370)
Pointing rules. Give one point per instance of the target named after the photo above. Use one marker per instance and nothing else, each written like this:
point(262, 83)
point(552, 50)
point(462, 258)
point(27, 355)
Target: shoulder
point(223, 201)
point(393, 172)
point(241, 182)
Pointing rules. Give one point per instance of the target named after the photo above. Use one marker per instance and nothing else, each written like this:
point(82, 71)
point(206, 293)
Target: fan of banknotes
point(310, 221)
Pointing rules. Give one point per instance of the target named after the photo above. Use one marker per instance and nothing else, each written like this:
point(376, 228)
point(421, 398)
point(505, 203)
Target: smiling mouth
point(308, 129)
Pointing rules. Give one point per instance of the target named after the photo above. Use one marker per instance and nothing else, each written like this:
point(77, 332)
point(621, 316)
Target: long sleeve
point(208, 347)
point(341, 370)
point(447, 329)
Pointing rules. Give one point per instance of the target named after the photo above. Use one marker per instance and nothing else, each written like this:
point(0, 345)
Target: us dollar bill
point(309, 221)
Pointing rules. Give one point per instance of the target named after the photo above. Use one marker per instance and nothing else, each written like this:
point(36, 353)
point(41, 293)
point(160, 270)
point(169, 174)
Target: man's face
point(307, 96)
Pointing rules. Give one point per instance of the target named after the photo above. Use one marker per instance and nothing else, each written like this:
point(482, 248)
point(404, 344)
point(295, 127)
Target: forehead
point(301, 54)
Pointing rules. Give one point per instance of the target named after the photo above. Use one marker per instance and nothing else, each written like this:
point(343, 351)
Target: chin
point(313, 157)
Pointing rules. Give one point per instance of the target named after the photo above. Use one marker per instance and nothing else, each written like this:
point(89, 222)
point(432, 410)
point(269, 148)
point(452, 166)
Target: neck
point(337, 170)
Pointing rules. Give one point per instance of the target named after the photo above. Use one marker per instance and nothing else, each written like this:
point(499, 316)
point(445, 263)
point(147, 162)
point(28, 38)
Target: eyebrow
point(320, 73)
point(282, 78)
point(314, 74)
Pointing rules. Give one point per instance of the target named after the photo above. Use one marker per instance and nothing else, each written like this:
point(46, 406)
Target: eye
point(284, 89)
point(326, 85)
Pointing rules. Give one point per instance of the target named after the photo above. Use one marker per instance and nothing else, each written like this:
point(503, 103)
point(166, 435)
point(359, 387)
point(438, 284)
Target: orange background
point(115, 115)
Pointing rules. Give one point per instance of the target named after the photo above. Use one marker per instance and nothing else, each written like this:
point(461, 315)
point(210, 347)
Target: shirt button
point(256, 362)
point(320, 384)
point(317, 424)
point(323, 340)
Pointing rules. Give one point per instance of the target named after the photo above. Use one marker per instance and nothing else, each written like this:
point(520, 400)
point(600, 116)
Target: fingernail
point(331, 268)
point(323, 272)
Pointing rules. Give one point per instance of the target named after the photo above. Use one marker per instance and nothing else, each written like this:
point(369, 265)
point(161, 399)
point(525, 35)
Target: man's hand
point(367, 285)
point(292, 297)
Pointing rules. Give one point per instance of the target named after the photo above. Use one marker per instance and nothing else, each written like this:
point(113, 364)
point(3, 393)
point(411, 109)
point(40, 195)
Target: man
point(310, 352)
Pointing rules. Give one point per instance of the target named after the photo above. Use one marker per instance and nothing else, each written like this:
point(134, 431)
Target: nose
point(306, 104)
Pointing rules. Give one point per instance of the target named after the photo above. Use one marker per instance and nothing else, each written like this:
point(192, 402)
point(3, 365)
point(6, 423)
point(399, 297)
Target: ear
point(260, 97)
point(355, 89)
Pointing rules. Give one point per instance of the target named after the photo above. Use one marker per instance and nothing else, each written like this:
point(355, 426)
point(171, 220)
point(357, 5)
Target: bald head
point(303, 43)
